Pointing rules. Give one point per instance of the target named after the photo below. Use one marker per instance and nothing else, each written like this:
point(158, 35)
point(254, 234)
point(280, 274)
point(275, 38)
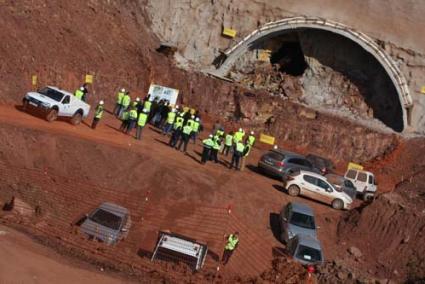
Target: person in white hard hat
point(97, 114)
point(79, 93)
point(118, 104)
point(196, 129)
point(250, 139)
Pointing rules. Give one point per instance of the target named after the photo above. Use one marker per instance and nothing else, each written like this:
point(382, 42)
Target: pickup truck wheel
point(368, 197)
point(293, 190)
point(76, 118)
point(337, 204)
point(25, 104)
point(52, 115)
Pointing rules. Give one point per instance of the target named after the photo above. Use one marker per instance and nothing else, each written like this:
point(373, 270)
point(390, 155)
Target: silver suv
point(296, 218)
point(280, 163)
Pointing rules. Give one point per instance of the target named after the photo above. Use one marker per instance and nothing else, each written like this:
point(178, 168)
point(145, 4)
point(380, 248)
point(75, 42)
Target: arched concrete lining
point(274, 28)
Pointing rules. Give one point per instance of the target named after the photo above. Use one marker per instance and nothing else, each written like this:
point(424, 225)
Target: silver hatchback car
point(306, 249)
point(295, 219)
point(108, 223)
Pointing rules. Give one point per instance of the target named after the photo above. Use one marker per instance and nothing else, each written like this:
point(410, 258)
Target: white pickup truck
point(57, 103)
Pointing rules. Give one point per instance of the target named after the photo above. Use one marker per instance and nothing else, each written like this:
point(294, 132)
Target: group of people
point(234, 142)
point(183, 125)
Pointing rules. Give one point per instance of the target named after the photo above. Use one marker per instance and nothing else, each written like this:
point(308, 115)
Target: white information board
point(161, 92)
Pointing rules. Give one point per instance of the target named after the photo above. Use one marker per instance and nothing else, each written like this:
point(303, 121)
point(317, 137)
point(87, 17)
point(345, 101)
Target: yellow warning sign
point(229, 32)
point(354, 166)
point(423, 90)
point(34, 80)
point(267, 139)
point(89, 79)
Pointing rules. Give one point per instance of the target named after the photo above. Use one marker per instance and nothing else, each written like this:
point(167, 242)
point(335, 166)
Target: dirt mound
point(389, 230)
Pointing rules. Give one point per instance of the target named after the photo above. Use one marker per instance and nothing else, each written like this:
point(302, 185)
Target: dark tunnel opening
point(291, 59)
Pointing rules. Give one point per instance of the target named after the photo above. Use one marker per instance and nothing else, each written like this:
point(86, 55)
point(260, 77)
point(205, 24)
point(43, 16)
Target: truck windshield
point(106, 219)
point(53, 94)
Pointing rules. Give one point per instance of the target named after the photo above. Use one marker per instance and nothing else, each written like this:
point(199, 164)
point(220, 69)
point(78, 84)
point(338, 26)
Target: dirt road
point(25, 261)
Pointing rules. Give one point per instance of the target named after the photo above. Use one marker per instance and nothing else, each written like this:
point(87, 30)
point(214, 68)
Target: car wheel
point(337, 204)
point(52, 115)
point(293, 190)
point(76, 118)
point(25, 105)
point(368, 197)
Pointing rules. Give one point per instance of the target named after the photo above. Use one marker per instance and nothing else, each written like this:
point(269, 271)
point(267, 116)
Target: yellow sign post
point(267, 139)
point(89, 79)
point(34, 80)
point(423, 90)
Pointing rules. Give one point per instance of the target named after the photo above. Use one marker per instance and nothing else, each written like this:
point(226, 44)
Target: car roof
point(59, 90)
point(309, 241)
point(114, 208)
point(287, 153)
point(302, 208)
point(312, 174)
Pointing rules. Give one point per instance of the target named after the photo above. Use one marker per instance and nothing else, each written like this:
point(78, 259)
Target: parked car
point(296, 218)
point(316, 187)
point(306, 249)
point(342, 184)
point(324, 165)
point(278, 162)
point(55, 103)
point(108, 223)
point(364, 182)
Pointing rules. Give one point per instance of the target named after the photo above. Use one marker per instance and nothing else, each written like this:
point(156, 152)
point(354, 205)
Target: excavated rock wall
point(195, 27)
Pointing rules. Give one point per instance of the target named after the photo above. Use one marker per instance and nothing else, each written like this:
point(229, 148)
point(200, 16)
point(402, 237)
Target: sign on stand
point(165, 93)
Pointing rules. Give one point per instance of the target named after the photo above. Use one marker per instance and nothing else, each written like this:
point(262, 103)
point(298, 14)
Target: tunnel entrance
point(323, 69)
point(290, 58)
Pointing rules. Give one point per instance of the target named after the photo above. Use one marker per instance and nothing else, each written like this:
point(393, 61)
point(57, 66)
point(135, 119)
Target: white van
point(364, 182)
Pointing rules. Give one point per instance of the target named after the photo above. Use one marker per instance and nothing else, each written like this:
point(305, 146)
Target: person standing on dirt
point(251, 139)
point(228, 142)
point(97, 114)
point(118, 104)
point(177, 129)
point(207, 144)
point(231, 245)
point(126, 100)
point(141, 122)
point(215, 148)
point(79, 93)
point(237, 154)
point(132, 118)
point(171, 116)
point(85, 92)
point(196, 129)
point(245, 154)
point(124, 118)
point(185, 136)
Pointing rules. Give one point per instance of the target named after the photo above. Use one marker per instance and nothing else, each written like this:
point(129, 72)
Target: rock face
point(195, 28)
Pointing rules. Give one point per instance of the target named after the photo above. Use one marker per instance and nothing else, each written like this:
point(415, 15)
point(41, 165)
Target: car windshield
point(106, 219)
point(308, 254)
point(302, 220)
point(54, 95)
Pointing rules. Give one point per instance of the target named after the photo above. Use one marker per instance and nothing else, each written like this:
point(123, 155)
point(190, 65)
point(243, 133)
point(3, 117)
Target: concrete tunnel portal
point(303, 42)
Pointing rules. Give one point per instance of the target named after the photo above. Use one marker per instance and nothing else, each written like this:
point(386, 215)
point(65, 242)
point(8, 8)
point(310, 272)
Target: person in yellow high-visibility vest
point(245, 154)
point(231, 244)
point(237, 154)
point(228, 142)
point(141, 122)
point(98, 113)
point(171, 116)
point(125, 103)
point(79, 93)
point(184, 138)
point(132, 118)
point(118, 103)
